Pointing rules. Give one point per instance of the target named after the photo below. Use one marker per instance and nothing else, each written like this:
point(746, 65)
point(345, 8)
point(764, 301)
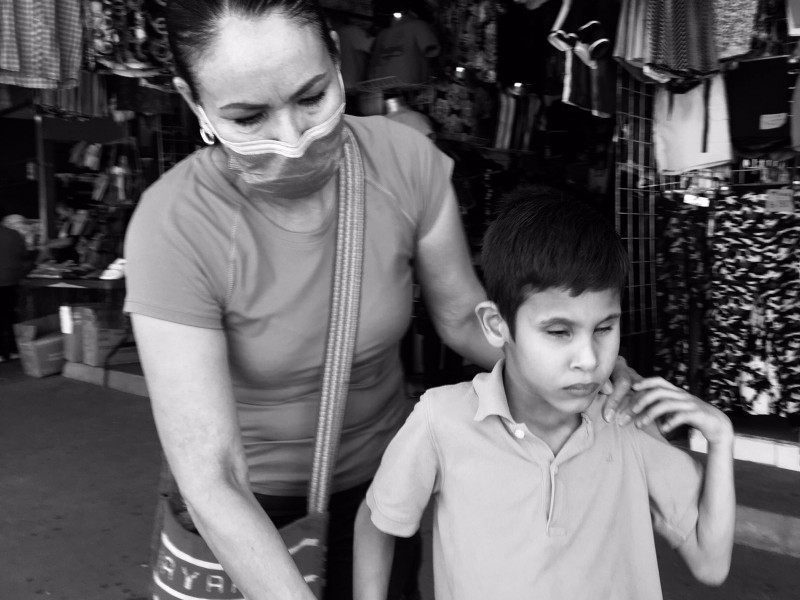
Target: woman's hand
point(618, 391)
point(655, 400)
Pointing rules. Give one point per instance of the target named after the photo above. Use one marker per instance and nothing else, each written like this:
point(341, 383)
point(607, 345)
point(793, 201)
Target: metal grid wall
point(637, 187)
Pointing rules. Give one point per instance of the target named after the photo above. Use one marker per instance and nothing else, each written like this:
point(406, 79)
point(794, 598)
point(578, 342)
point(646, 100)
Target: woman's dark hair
point(192, 26)
point(542, 239)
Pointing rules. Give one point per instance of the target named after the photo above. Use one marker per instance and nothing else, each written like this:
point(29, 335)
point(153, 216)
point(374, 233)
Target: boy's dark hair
point(543, 239)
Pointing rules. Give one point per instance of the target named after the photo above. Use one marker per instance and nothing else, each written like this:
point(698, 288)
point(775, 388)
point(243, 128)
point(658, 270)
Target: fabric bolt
point(759, 114)
point(228, 262)
point(511, 518)
point(690, 130)
point(404, 50)
point(754, 324)
point(683, 267)
point(735, 27)
point(470, 35)
point(40, 43)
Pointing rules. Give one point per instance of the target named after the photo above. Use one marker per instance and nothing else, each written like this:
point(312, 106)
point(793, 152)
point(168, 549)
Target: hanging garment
point(86, 100)
point(461, 109)
point(690, 130)
point(681, 39)
point(592, 89)
point(754, 322)
point(683, 267)
point(523, 52)
point(355, 45)
point(470, 35)
point(40, 43)
point(759, 112)
point(403, 50)
point(127, 37)
point(632, 48)
point(734, 26)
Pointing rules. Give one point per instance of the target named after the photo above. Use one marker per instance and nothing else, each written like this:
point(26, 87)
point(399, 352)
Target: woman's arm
point(193, 406)
point(450, 287)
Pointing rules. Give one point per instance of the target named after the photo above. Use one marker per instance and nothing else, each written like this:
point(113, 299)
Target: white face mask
point(287, 170)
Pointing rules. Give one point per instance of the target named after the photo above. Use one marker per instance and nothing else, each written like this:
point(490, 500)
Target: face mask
point(287, 170)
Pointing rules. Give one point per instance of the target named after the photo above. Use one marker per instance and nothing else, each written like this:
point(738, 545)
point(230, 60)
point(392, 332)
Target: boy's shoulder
point(455, 399)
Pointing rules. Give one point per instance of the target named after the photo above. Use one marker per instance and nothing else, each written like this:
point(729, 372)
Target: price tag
point(773, 121)
point(780, 201)
point(696, 200)
point(65, 316)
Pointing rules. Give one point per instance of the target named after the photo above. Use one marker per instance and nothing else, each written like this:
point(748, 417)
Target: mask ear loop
point(206, 131)
point(208, 137)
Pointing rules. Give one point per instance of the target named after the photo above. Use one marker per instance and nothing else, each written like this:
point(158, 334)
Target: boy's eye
point(606, 329)
point(250, 120)
point(558, 332)
point(313, 100)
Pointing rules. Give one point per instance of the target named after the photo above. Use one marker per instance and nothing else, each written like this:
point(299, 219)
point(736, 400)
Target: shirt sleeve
point(168, 276)
point(407, 477)
point(674, 481)
point(434, 185)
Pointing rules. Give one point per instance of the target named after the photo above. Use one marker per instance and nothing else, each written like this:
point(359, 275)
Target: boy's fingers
point(621, 380)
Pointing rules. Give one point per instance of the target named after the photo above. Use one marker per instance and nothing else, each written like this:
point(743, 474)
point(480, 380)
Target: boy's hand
point(658, 401)
point(618, 390)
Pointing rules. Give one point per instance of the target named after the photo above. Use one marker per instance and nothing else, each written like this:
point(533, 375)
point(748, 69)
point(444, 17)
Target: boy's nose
point(585, 357)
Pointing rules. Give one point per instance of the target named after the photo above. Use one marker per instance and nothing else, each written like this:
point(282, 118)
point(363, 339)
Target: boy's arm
point(373, 551)
point(707, 551)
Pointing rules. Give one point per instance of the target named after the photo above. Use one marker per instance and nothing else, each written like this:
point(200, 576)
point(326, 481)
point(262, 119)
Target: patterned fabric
point(681, 38)
point(683, 267)
point(40, 43)
point(735, 26)
point(470, 35)
point(754, 323)
point(127, 37)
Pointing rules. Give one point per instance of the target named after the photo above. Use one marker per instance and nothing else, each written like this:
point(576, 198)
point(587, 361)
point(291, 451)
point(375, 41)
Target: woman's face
point(269, 78)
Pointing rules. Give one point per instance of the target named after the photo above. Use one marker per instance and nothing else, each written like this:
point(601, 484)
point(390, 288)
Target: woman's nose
point(286, 129)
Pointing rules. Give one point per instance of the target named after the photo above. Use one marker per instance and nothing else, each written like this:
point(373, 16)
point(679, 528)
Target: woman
point(229, 273)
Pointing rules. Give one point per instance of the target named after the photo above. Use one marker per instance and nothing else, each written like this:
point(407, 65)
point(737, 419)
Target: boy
point(536, 496)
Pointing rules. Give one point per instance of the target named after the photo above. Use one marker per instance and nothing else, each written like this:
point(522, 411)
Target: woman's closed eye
point(312, 100)
point(250, 120)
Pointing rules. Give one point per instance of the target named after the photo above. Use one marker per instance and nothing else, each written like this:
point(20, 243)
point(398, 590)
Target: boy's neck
point(552, 426)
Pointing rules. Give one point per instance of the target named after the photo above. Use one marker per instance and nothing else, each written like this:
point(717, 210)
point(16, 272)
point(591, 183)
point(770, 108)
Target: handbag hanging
point(186, 569)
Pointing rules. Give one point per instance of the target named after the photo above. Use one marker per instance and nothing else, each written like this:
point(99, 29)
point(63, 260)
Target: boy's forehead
point(560, 303)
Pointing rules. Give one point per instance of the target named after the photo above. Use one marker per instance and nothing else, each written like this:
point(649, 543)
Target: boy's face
point(564, 349)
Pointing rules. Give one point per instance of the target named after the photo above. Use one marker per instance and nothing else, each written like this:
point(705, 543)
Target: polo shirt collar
point(491, 394)
point(492, 399)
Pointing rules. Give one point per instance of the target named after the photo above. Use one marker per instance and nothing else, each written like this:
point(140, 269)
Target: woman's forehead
point(268, 49)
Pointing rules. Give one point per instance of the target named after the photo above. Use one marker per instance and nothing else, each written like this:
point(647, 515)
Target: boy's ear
point(494, 326)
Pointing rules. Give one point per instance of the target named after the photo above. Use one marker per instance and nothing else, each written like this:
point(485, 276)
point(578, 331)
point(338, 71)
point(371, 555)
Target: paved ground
point(78, 473)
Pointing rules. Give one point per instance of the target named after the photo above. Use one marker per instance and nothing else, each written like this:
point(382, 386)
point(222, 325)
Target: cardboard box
point(41, 346)
point(72, 319)
point(99, 341)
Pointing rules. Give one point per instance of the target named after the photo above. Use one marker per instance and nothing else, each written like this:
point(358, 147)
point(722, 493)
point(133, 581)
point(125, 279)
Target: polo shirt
point(512, 519)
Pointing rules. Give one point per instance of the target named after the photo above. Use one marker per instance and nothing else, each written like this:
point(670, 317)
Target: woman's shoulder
point(379, 132)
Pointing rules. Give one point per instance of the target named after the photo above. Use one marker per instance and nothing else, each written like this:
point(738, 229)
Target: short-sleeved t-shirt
point(513, 521)
point(202, 254)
